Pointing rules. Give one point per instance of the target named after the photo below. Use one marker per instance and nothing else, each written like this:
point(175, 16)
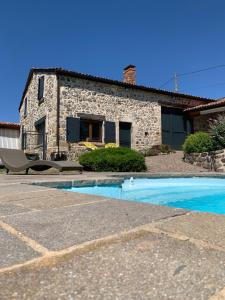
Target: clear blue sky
point(101, 37)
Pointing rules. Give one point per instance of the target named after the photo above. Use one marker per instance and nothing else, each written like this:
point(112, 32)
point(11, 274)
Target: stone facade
point(36, 111)
point(76, 96)
point(212, 161)
point(202, 122)
point(116, 104)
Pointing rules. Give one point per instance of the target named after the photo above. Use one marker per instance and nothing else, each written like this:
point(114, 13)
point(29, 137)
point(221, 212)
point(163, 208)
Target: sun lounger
point(16, 161)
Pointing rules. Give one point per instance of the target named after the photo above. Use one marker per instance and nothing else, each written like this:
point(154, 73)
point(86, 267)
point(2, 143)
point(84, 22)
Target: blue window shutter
point(110, 132)
point(73, 130)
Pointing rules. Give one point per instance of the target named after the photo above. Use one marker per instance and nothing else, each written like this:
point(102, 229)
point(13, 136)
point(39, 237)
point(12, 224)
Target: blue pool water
point(199, 194)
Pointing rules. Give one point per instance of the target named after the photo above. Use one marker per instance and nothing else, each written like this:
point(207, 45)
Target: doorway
point(125, 134)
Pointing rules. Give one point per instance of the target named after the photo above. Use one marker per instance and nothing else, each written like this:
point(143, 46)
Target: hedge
point(113, 159)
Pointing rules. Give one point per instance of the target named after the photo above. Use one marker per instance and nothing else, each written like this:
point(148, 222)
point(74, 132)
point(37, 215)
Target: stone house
point(60, 109)
point(204, 113)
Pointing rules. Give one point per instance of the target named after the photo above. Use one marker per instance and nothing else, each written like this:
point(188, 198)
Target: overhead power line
point(207, 86)
point(175, 77)
point(165, 83)
point(201, 70)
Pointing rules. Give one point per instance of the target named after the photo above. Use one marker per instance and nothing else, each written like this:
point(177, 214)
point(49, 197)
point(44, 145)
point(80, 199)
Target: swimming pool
point(197, 193)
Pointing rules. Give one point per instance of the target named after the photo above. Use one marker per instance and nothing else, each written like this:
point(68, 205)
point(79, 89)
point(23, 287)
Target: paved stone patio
point(170, 163)
point(61, 245)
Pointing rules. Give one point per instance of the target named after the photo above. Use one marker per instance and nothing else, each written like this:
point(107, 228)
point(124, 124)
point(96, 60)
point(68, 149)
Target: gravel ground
point(170, 163)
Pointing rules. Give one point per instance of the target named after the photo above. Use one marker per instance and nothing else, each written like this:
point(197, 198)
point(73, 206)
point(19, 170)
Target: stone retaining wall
point(212, 161)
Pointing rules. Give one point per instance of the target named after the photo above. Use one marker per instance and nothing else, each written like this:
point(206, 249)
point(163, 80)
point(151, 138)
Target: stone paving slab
point(26, 195)
point(7, 179)
point(63, 227)
point(202, 226)
point(20, 191)
point(50, 199)
point(24, 191)
point(13, 250)
point(8, 189)
point(153, 267)
point(11, 209)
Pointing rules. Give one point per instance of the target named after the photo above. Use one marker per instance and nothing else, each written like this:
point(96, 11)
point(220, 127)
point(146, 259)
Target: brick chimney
point(129, 74)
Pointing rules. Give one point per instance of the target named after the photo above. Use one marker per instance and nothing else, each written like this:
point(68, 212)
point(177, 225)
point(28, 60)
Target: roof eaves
point(61, 71)
point(32, 70)
point(217, 103)
point(9, 125)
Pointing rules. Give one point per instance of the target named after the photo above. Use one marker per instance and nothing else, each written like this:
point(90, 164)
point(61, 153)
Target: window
point(25, 107)
point(23, 138)
point(41, 82)
point(91, 130)
point(40, 129)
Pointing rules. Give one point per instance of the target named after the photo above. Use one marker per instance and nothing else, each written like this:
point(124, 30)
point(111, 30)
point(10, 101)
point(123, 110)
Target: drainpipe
point(58, 115)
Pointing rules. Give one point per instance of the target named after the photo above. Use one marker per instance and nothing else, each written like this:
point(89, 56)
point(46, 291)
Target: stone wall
point(201, 122)
point(115, 104)
point(212, 161)
point(36, 111)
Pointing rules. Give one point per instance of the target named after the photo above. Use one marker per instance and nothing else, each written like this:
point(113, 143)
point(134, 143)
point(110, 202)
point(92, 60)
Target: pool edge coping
point(118, 179)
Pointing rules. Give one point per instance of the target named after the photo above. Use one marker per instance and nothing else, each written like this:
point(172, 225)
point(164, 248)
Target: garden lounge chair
point(16, 161)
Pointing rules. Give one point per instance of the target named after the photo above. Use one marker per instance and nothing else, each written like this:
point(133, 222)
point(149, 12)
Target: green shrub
point(198, 142)
point(217, 128)
point(113, 159)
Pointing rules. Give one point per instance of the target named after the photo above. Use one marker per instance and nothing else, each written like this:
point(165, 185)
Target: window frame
point(41, 88)
point(38, 124)
point(25, 107)
point(90, 123)
point(23, 138)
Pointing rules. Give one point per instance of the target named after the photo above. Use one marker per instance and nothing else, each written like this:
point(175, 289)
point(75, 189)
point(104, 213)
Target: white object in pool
point(131, 180)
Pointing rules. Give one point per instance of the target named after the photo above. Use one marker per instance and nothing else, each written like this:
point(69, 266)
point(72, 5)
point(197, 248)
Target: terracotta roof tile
point(9, 125)
point(214, 104)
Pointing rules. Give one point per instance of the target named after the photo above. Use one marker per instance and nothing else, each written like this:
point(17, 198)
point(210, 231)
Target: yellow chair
point(90, 145)
point(111, 145)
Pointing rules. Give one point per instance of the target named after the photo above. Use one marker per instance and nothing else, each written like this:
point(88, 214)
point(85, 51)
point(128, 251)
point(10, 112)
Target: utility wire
point(193, 72)
point(202, 70)
point(209, 85)
point(165, 83)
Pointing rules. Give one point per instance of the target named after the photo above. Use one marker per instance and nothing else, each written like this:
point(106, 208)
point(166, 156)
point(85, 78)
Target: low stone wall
point(212, 161)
